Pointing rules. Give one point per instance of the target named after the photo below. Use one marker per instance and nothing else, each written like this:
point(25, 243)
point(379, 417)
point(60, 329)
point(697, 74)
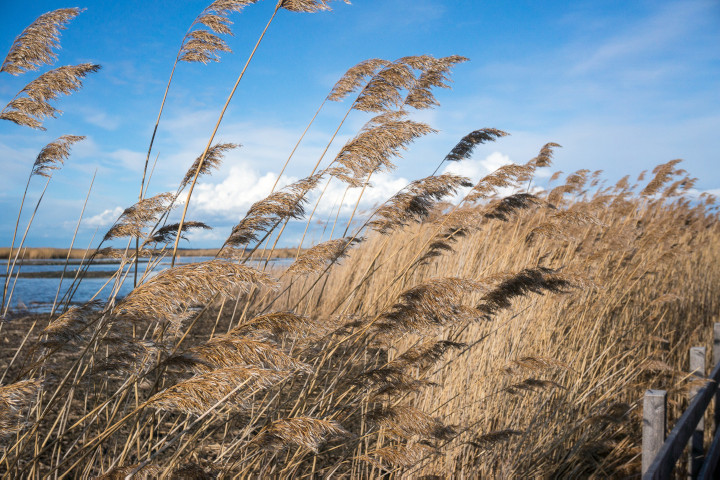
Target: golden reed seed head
point(305, 432)
point(315, 258)
point(54, 154)
point(134, 219)
point(202, 392)
point(31, 109)
point(174, 290)
point(204, 46)
point(213, 160)
point(278, 206)
point(355, 77)
point(307, 6)
point(34, 46)
point(415, 202)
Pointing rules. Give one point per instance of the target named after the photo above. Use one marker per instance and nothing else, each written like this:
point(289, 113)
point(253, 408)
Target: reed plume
point(201, 45)
point(467, 144)
point(663, 173)
point(314, 258)
point(31, 105)
point(267, 213)
point(174, 290)
point(415, 202)
point(34, 46)
point(167, 233)
point(212, 160)
point(406, 421)
point(384, 91)
point(382, 138)
point(430, 306)
point(278, 325)
point(305, 432)
point(306, 6)
point(15, 398)
point(355, 77)
point(227, 351)
point(204, 391)
point(68, 327)
point(435, 74)
point(136, 218)
point(54, 154)
point(530, 280)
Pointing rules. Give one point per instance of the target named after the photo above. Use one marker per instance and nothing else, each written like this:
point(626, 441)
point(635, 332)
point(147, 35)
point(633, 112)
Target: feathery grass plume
point(305, 432)
point(213, 159)
point(307, 6)
point(502, 209)
point(383, 91)
point(430, 305)
point(67, 328)
point(489, 440)
point(435, 74)
point(530, 280)
point(346, 176)
point(176, 289)
point(34, 46)
point(505, 176)
point(573, 184)
point(147, 472)
point(227, 351)
point(557, 226)
point(663, 173)
point(467, 144)
point(204, 45)
point(167, 233)
point(284, 204)
point(531, 385)
point(314, 258)
point(405, 421)
point(533, 363)
point(277, 324)
point(198, 394)
point(415, 202)
point(355, 77)
point(426, 354)
point(14, 399)
point(401, 455)
point(29, 110)
point(544, 158)
point(390, 380)
point(54, 153)
point(380, 139)
point(134, 219)
point(127, 356)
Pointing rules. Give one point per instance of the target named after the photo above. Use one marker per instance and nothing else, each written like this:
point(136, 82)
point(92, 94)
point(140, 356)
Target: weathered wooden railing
point(659, 455)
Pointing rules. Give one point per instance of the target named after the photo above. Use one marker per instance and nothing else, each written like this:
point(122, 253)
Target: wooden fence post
point(654, 425)
point(696, 451)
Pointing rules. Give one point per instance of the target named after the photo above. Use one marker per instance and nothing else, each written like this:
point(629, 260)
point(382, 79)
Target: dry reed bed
point(468, 327)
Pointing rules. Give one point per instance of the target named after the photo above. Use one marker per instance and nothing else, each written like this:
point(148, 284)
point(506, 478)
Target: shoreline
point(49, 253)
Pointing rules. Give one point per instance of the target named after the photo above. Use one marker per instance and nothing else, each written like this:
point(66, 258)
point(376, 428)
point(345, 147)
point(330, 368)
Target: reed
point(465, 328)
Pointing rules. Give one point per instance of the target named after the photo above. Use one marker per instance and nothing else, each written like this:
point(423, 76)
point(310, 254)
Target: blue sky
point(622, 86)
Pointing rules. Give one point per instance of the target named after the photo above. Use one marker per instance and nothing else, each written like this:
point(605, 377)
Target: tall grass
point(466, 328)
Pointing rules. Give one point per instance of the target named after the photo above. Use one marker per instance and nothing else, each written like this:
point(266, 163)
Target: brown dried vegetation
point(478, 330)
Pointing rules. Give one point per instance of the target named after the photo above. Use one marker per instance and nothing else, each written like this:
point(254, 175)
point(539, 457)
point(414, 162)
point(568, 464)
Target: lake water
point(37, 294)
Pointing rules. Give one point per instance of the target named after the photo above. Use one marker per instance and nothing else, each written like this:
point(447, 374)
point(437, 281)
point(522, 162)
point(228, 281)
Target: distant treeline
point(77, 253)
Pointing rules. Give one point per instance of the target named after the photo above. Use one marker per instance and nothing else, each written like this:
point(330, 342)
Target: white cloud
point(476, 169)
point(105, 218)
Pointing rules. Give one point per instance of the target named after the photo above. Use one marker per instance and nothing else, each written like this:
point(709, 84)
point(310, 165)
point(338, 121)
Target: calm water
point(37, 294)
